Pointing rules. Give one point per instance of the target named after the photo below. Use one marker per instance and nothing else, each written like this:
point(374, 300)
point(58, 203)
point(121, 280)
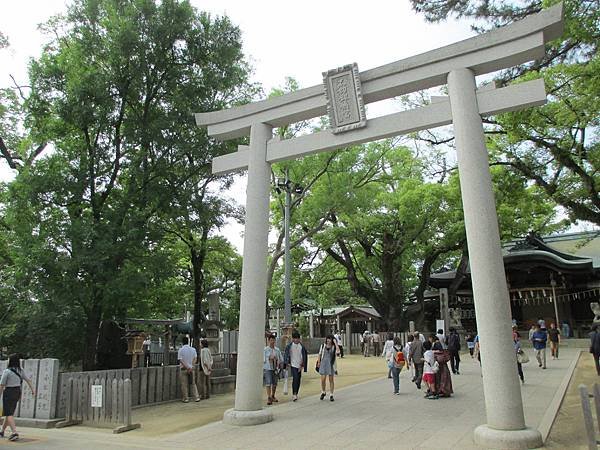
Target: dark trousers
point(341, 351)
point(296, 378)
point(454, 360)
point(520, 370)
point(396, 378)
point(596, 357)
point(419, 373)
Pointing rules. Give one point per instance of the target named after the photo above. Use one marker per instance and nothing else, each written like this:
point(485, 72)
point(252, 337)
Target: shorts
point(10, 398)
point(269, 378)
point(429, 378)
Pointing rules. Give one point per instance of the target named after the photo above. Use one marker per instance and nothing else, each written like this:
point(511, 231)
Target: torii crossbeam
point(456, 65)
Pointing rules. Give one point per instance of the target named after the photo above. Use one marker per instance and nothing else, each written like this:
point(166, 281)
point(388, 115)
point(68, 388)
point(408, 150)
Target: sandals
point(269, 401)
point(331, 398)
point(322, 396)
point(14, 437)
point(275, 400)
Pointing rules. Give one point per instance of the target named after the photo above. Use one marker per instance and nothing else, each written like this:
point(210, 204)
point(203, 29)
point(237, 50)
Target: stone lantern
point(135, 346)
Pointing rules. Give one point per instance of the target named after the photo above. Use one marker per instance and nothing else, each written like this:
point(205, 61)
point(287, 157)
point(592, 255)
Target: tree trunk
point(461, 273)
point(92, 329)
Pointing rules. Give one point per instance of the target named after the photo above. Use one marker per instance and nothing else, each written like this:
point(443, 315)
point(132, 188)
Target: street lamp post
point(287, 311)
point(288, 187)
point(553, 284)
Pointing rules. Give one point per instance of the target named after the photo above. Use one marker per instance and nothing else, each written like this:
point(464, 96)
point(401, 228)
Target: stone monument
point(212, 326)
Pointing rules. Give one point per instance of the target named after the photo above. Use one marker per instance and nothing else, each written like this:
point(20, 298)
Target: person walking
point(325, 365)
point(406, 350)
point(595, 347)
point(387, 348)
point(368, 339)
point(554, 338)
point(416, 358)
point(187, 357)
point(453, 345)
point(376, 343)
point(146, 346)
point(206, 365)
point(539, 339)
point(295, 359)
point(531, 331)
point(11, 389)
point(272, 362)
point(517, 343)
point(431, 367)
point(441, 337)
point(443, 379)
point(470, 343)
point(396, 361)
point(338, 339)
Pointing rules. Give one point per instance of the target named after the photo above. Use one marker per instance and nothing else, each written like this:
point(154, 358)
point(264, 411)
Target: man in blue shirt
point(539, 339)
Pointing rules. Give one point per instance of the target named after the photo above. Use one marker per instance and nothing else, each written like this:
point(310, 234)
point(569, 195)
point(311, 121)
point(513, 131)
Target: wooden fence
point(149, 385)
point(99, 402)
point(588, 418)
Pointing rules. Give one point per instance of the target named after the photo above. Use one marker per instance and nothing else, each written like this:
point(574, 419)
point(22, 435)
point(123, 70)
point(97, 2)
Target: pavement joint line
point(552, 411)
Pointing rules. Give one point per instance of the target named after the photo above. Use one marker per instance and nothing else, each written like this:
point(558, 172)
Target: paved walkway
point(363, 416)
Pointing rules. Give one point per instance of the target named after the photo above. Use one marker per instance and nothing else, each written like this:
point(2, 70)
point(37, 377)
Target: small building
point(360, 317)
point(555, 278)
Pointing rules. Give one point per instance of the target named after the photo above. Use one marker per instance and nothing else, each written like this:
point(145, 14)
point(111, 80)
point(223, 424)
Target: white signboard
point(96, 396)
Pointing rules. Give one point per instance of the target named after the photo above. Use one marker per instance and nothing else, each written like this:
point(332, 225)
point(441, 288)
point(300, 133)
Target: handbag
point(285, 382)
point(522, 357)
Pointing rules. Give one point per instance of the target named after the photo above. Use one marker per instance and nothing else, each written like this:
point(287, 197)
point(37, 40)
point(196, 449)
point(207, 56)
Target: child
point(471, 343)
point(429, 371)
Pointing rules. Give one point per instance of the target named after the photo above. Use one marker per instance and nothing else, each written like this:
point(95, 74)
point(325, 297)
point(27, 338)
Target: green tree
point(556, 145)
point(114, 94)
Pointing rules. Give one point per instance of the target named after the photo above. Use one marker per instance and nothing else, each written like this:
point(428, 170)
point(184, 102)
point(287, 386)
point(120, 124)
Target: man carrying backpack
point(453, 345)
point(396, 362)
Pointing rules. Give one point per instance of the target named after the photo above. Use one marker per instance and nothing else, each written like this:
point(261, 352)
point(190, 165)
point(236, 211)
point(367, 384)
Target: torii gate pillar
point(505, 426)
point(248, 393)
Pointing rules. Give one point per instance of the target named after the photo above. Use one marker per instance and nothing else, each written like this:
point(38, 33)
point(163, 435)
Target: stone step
point(222, 385)
point(220, 372)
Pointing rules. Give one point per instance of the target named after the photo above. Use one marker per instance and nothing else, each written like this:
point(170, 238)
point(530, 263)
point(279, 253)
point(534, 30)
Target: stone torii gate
point(343, 96)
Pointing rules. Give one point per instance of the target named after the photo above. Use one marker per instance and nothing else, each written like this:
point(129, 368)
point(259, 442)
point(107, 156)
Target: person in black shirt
point(554, 337)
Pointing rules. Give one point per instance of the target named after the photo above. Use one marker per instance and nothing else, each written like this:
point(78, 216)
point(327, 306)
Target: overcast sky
point(281, 38)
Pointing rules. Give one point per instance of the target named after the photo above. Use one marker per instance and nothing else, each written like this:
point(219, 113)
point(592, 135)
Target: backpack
point(399, 358)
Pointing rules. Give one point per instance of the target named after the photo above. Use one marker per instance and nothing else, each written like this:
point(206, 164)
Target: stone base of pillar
point(507, 439)
point(247, 418)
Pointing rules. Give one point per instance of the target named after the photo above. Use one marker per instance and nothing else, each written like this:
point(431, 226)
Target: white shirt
point(206, 360)
point(186, 355)
point(429, 362)
point(387, 348)
point(296, 355)
point(338, 338)
point(406, 350)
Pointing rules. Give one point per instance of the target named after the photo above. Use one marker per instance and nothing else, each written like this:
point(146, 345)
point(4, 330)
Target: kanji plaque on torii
point(344, 99)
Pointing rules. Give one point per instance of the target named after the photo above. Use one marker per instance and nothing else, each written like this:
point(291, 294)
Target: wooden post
point(587, 417)
point(125, 408)
point(597, 402)
point(72, 400)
